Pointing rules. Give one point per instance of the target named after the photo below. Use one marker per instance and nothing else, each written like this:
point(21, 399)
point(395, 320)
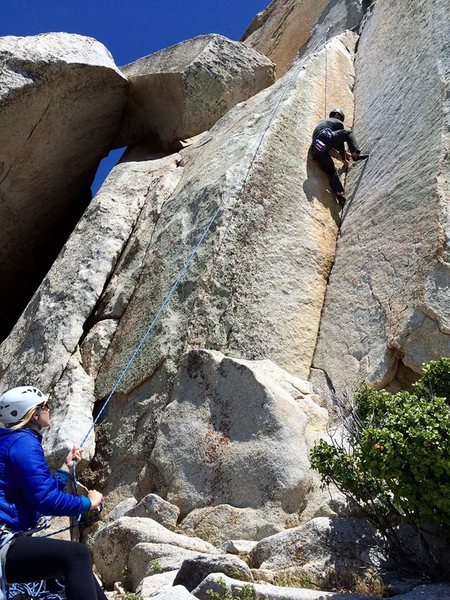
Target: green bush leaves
point(395, 459)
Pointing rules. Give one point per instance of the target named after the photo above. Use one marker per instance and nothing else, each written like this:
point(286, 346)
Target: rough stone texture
point(95, 345)
point(194, 570)
point(176, 593)
point(387, 310)
point(154, 507)
point(256, 286)
point(148, 558)
point(61, 102)
point(218, 583)
point(154, 584)
point(115, 541)
point(429, 592)
point(42, 347)
point(218, 523)
point(121, 509)
point(238, 546)
point(237, 432)
point(345, 545)
point(183, 90)
point(287, 27)
point(72, 404)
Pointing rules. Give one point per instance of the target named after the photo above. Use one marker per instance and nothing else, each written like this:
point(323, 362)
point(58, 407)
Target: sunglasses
point(44, 406)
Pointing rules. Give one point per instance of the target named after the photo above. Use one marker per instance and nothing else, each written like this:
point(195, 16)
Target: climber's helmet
point(337, 113)
point(15, 403)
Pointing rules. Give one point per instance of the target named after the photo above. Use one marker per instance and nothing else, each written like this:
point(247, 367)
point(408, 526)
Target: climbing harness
point(42, 590)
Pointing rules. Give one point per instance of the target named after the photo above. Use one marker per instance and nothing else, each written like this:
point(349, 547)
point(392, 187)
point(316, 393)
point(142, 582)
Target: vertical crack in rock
point(398, 209)
point(35, 126)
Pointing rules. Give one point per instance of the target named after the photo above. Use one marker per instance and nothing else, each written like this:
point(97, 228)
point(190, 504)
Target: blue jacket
point(27, 488)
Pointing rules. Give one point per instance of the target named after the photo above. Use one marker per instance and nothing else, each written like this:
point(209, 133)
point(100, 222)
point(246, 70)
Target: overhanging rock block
point(183, 90)
point(61, 102)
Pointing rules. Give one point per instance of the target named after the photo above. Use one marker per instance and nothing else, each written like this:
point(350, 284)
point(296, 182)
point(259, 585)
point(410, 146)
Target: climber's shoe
point(358, 156)
point(341, 200)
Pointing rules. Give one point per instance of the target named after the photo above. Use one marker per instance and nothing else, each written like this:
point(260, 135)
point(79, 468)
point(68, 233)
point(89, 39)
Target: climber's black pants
point(326, 163)
point(334, 140)
point(33, 559)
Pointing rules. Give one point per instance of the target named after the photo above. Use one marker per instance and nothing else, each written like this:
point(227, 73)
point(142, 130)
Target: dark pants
point(33, 559)
point(334, 140)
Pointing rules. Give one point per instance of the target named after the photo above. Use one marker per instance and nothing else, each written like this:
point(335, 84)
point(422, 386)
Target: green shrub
point(247, 592)
point(222, 594)
point(394, 457)
point(395, 460)
point(156, 567)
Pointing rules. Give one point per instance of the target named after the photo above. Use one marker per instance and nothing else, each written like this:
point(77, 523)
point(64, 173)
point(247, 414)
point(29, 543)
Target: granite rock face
point(154, 507)
point(183, 90)
point(219, 584)
point(256, 286)
point(44, 345)
point(146, 558)
point(237, 432)
point(289, 28)
point(216, 524)
point(351, 542)
point(61, 102)
point(387, 308)
point(194, 570)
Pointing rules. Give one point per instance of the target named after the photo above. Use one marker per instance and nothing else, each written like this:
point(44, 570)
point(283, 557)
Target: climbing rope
point(155, 320)
point(326, 72)
point(178, 279)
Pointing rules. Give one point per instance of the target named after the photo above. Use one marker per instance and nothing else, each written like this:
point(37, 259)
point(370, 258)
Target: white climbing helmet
point(15, 403)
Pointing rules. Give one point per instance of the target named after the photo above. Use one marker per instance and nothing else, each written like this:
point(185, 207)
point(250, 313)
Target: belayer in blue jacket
point(28, 491)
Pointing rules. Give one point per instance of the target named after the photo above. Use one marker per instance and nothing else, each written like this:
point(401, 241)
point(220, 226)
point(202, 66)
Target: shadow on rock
point(316, 187)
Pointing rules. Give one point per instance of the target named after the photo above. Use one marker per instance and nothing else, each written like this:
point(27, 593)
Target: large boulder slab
point(254, 287)
point(387, 310)
point(237, 432)
point(345, 542)
point(257, 284)
point(287, 28)
point(218, 523)
point(148, 559)
point(115, 541)
point(61, 103)
point(154, 584)
point(183, 90)
point(177, 592)
point(330, 553)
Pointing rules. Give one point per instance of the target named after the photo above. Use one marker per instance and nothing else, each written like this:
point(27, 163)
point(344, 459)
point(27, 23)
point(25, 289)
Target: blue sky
point(129, 29)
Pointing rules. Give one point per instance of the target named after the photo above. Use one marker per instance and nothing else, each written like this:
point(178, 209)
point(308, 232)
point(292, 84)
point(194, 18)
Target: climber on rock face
point(328, 135)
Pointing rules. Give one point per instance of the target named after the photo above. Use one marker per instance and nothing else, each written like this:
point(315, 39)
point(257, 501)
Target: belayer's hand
point(73, 456)
point(95, 497)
